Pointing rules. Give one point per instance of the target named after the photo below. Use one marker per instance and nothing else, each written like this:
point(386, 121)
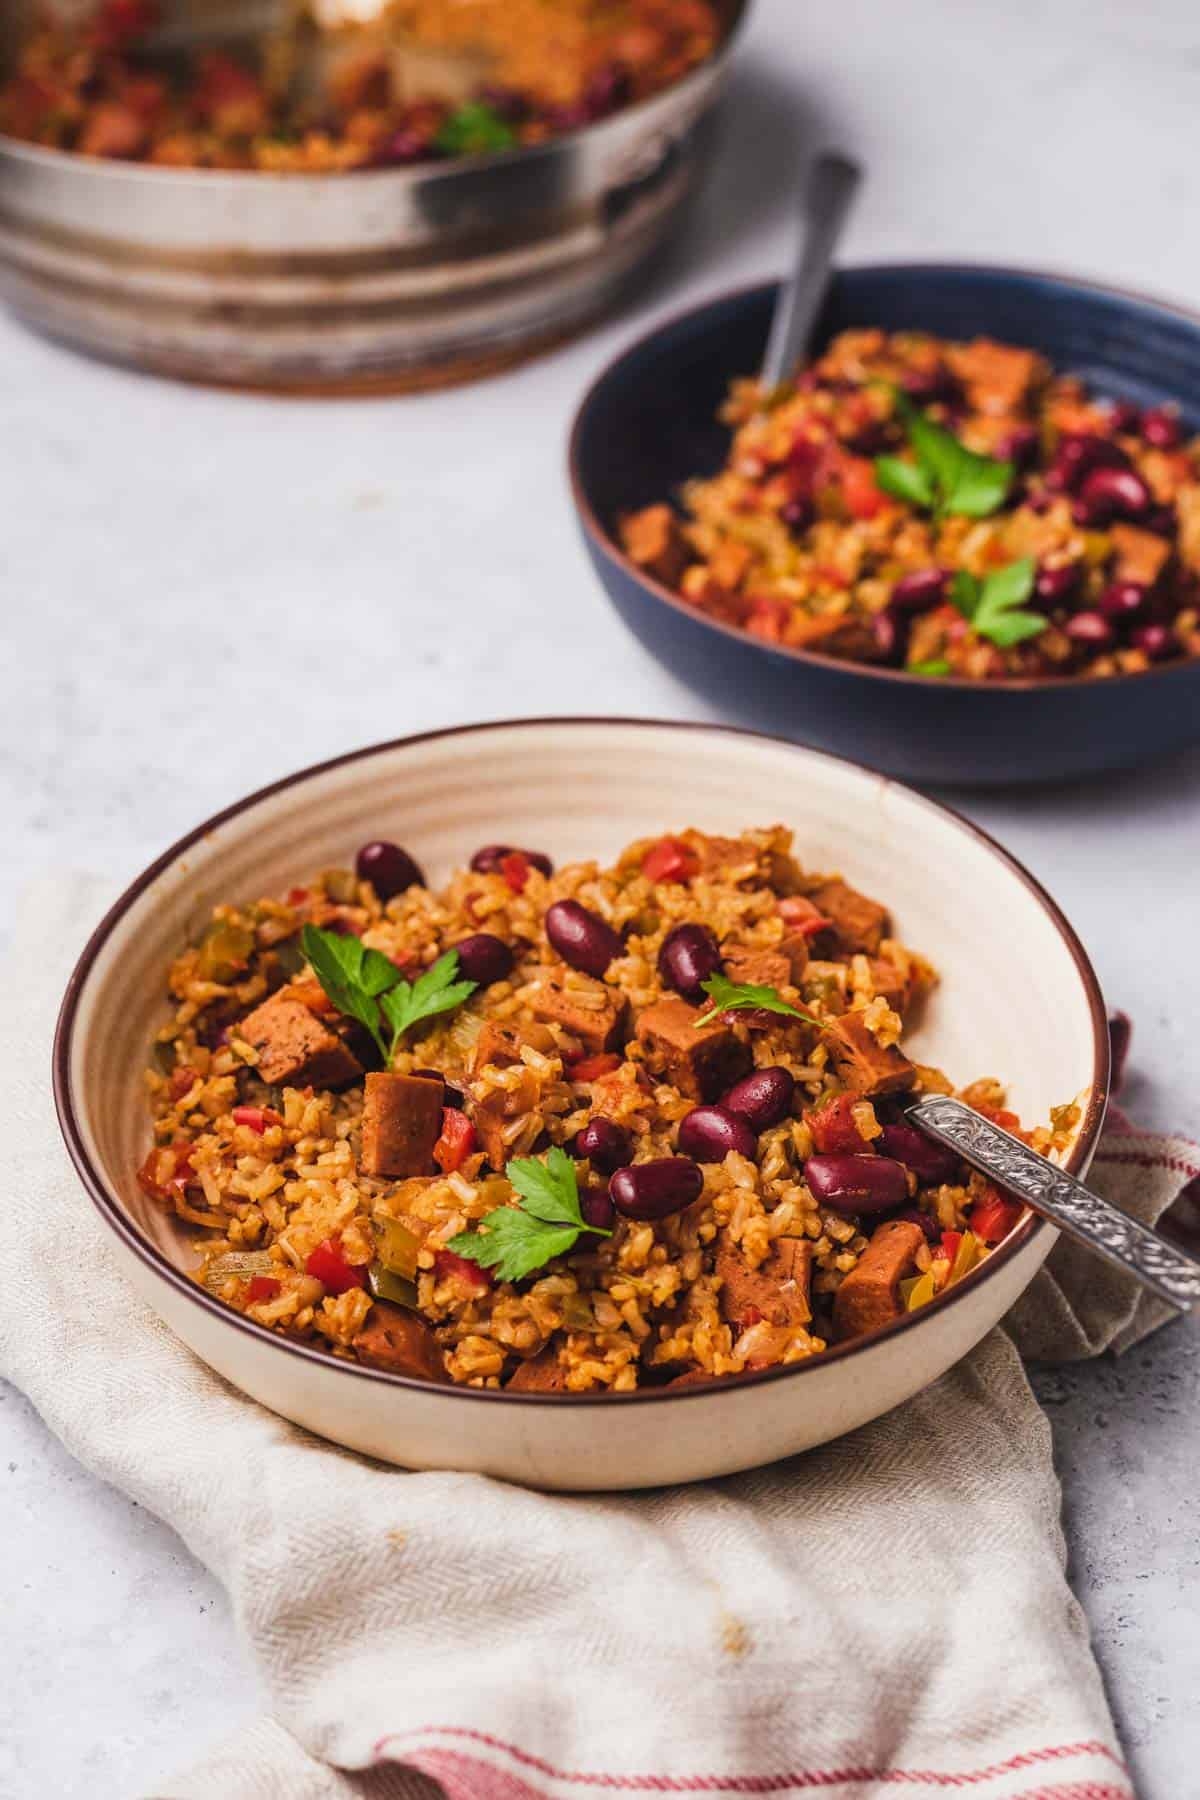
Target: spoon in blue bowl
point(833, 181)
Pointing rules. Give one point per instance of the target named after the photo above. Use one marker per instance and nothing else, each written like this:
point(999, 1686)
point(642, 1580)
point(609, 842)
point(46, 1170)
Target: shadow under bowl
point(649, 424)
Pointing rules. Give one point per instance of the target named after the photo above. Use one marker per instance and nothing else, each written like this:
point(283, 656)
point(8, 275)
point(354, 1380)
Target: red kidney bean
point(1110, 493)
point(1155, 641)
point(1123, 416)
point(484, 958)
point(1019, 446)
point(1120, 1036)
point(488, 860)
point(582, 938)
point(920, 590)
point(689, 955)
point(608, 87)
point(890, 630)
point(926, 385)
point(595, 1203)
point(856, 1184)
point(1078, 453)
point(1090, 628)
point(763, 1098)
point(709, 1133)
point(1161, 428)
point(1056, 585)
point(652, 1190)
point(914, 1216)
point(928, 1160)
point(389, 869)
point(1160, 519)
point(605, 1145)
point(1122, 599)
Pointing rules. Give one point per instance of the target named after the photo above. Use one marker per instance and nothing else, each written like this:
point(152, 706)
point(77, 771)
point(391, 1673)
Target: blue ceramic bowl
point(649, 424)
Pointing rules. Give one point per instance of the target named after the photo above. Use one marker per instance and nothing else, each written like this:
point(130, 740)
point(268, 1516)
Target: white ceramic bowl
point(1018, 1000)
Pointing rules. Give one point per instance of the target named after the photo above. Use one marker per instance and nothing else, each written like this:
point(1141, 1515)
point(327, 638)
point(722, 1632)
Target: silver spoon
point(832, 183)
point(1057, 1196)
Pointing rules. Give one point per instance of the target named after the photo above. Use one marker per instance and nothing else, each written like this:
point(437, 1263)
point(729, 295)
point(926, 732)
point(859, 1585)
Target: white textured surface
point(317, 576)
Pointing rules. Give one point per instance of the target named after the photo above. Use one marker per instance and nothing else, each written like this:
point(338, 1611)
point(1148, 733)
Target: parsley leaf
point(904, 480)
point(995, 606)
point(474, 129)
point(517, 1240)
point(366, 985)
point(730, 996)
point(436, 991)
point(946, 477)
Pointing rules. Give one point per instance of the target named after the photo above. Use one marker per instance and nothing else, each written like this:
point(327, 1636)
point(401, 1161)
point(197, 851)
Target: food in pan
point(951, 509)
point(552, 66)
point(591, 1130)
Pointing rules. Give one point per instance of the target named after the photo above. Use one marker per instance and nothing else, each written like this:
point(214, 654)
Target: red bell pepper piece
point(834, 1130)
point(182, 1081)
point(993, 1215)
point(456, 1142)
point(863, 499)
point(949, 1246)
point(328, 1265)
point(257, 1118)
point(515, 869)
point(591, 1068)
point(262, 1287)
point(669, 860)
point(167, 1170)
point(801, 915)
point(447, 1263)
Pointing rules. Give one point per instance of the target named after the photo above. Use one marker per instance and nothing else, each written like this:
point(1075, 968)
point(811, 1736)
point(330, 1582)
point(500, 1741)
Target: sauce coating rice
point(675, 1082)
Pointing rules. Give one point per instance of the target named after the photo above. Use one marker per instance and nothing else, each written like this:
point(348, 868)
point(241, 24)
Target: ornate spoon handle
point(1050, 1191)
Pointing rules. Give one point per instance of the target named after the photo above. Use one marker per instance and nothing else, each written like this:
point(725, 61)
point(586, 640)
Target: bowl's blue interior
point(651, 423)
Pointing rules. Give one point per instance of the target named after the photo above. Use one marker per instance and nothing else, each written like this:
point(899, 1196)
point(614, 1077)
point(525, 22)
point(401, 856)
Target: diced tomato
point(591, 1068)
point(256, 1118)
point(447, 1263)
point(669, 860)
point(328, 1265)
point(994, 1215)
point(182, 1081)
point(949, 1246)
point(515, 869)
point(999, 1115)
point(262, 1287)
point(167, 1170)
point(802, 916)
point(456, 1142)
point(296, 896)
point(863, 499)
point(834, 1130)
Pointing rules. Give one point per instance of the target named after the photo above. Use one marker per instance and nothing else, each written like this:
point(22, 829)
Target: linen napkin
point(889, 1611)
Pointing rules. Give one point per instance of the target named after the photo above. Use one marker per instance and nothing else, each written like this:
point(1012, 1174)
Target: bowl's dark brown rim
point(715, 65)
point(603, 540)
point(111, 1212)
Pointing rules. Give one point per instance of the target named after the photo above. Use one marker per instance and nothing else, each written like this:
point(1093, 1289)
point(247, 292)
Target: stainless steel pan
point(391, 277)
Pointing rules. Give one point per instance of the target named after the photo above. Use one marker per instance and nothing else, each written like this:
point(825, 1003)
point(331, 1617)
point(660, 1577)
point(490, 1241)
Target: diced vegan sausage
point(870, 1295)
point(590, 1011)
point(701, 1064)
point(655, 542)
point(862, 1063)
point(400, 1341)
point(757, 968)
point(777, 1290)
point(296, 1047)
point(1141, 555)
point(889, 984)
point(401, 1123)
point(998, 377)
point(542, 1374)
point(858, 922)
